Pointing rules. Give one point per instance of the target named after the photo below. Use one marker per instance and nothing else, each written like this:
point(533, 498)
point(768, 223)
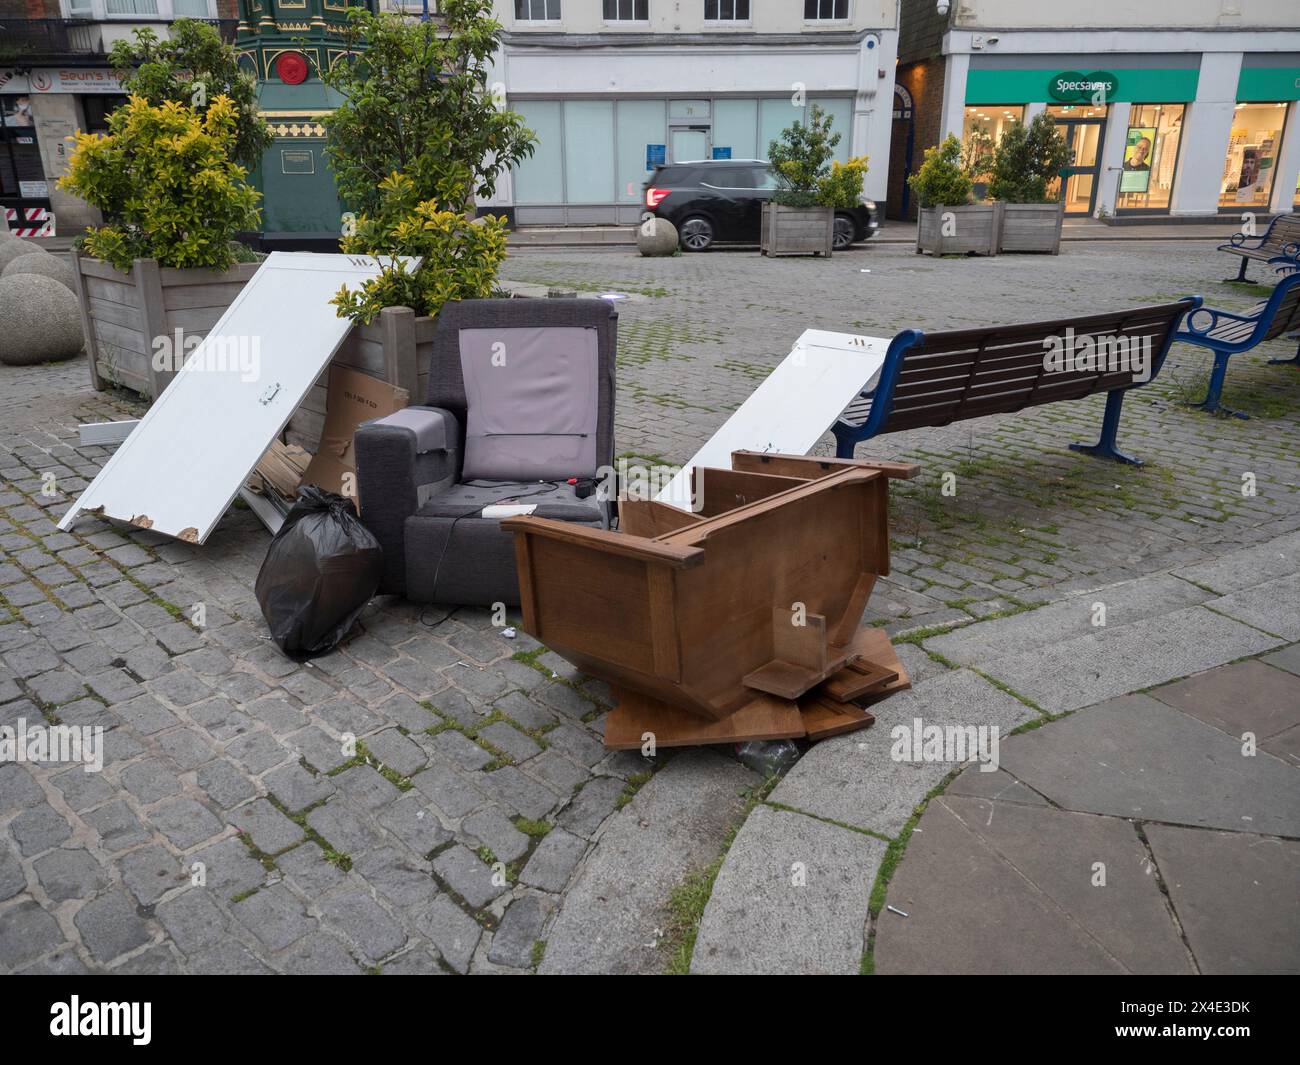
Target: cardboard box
point(353, 397)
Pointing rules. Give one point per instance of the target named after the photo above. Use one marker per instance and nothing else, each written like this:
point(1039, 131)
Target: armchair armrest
point(402, 460)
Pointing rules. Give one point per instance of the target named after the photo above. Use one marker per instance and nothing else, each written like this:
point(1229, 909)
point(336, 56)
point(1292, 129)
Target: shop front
point(1148, 134)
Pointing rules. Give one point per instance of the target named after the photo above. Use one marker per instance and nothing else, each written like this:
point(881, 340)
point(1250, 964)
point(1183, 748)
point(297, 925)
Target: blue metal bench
point(1228, 334)
point(1280, 240)
point(934, 379)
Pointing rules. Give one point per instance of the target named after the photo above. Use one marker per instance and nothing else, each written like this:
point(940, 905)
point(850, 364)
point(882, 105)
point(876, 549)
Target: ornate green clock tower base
point(285, 44)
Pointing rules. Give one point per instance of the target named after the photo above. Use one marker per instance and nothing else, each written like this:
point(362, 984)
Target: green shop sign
point(1071, 87)
point(1027, 85)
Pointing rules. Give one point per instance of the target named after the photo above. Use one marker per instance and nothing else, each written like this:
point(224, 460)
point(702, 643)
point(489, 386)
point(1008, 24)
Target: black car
point(718, 201)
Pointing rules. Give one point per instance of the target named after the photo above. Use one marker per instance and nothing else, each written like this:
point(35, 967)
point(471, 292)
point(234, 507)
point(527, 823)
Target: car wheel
point(697, 234)
point(844, 233)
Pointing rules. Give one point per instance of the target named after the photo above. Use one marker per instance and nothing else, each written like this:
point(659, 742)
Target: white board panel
point(794, 406)
point(186, 460)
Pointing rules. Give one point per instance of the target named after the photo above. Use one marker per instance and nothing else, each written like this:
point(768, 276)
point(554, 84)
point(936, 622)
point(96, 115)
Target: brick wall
point(29, 9)
point(228, 9)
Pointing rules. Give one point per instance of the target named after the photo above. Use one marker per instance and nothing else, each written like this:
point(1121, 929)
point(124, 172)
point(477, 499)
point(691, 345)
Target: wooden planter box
point(122, 313)
point(797, 230)
point(1031, 227)
point(974, 230)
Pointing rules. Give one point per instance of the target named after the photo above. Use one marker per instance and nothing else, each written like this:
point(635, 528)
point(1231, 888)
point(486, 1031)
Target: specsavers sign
point(1073, 87)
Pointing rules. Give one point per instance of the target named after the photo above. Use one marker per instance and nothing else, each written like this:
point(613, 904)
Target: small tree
point(842, 187)
point(459, 257)
point(941, 181)
point(166, 182)
point(977, 153)
point(1027, 161)
point(194, 67)
point(417, 101)
point(800, 157)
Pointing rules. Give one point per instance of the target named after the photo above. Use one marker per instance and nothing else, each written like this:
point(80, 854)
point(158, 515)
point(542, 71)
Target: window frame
point(618, 20)
point(546, 19)
point(819, 19)
point(737, 20)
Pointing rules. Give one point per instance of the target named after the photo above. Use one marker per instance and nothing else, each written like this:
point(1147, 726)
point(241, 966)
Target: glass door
point(688, 143)
point(1084, 127)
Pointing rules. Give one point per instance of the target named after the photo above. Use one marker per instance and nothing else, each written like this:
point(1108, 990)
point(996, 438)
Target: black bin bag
point(320, 571)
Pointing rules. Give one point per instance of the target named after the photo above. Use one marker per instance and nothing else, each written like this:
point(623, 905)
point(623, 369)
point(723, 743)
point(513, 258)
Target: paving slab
point(1288, 658)
point(854, 779)
point(1095, 869)
point(791, 898)
point(1271, 606)
point(1235, 894)
point(1126, 603)
point(1248, 567)
point(968, 912)
point(676, 824)
point(1107, 662)
point(1136, 757)
point(1237, 698)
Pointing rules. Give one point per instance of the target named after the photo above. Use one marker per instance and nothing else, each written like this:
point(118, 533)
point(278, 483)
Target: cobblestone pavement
point(236, 829)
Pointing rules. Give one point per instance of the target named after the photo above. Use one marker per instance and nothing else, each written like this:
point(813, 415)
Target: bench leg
point(1294, 360)
point(845, 442)
point(1241, 274)
point(1211, 404)
point(1105, 447)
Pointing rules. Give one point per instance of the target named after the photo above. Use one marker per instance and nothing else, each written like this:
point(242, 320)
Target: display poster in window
point(655, 155)
point(18, 113)
point(1250, 178)
point(1139, 147)
point(34, 190)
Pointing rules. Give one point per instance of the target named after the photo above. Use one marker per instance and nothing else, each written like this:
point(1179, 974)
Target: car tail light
point(654, 197)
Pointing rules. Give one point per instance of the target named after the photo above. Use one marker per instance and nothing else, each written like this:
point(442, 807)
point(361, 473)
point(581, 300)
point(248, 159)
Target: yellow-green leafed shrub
point(459, 257)
point(167, 184)
point(842, 187)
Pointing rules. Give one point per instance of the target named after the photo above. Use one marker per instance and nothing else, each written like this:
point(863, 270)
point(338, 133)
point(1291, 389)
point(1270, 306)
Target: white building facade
point(612, 87)
point(1179, 109)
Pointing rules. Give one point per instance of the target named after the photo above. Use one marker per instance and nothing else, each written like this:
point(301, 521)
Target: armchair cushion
point(532, 397)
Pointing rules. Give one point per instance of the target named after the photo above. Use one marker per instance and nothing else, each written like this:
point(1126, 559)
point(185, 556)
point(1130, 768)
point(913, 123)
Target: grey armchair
point(520, 400)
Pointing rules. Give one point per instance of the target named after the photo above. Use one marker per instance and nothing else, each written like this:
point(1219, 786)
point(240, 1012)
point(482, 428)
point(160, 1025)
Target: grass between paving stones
point(299, 817)
point(687, 902)
point(539, 952)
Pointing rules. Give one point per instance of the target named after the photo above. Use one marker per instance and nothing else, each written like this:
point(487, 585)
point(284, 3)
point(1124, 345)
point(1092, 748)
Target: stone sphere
point(13, 249)
point(656, 236)
point(45, 265)
point(42, 321)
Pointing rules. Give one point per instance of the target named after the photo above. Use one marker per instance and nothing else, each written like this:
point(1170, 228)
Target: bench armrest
point(402, 460)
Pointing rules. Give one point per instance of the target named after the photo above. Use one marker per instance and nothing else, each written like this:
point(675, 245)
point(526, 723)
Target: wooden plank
point(718, 491)
point(193, 277)
point(609, 542)
point(872, 645)
point(186, 297)
point(120, 337)
point(148, 282)
point(97, 268)
point(398, 327)
point(822, 718)
point(99, 434)
point(194, 321)
point(663, 622)
point(87, 330)
point(650, 518)
point(763, 718)
point(857, 679)
point(110, 291)
point(811, 467)
point(116, 313)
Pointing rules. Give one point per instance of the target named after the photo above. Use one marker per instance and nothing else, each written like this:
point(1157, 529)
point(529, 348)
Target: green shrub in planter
point(1027, 160)
point(842, 187)
point(941, 181)
point(165, 181)
point(799, 158)
point(460, 257)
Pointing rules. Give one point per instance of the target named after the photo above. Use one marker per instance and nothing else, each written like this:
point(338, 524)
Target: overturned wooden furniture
point(738, 620)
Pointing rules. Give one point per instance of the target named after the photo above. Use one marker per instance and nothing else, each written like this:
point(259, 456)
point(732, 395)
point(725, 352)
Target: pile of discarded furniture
point(729, 606)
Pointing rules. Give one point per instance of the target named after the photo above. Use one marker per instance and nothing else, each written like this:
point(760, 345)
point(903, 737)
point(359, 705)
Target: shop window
point(1252, 155)
point(131, 7)
point(22, 176)
point(97, 109)
point(726, 10)
point(981, 131)
point(1150, 157)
